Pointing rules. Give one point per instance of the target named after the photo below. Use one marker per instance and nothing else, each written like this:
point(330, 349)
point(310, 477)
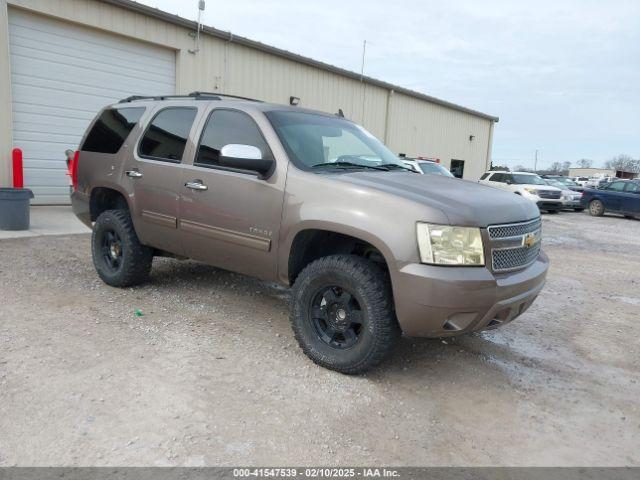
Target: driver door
point(231, 218)
point(614, 197)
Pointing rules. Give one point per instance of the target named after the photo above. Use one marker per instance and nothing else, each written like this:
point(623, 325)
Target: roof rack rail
point(134, 98)
point(195, 95)
point(221, 96)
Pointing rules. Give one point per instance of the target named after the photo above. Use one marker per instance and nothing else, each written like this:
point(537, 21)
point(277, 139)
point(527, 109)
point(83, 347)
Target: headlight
point(531, 190)
point(445, 245)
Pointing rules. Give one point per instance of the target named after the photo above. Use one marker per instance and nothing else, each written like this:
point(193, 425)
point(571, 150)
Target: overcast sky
point(563, 75)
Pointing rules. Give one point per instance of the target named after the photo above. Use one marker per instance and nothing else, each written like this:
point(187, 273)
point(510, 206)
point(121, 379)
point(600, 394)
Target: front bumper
point(571, 202)
point(550, 205)
point(434, 301)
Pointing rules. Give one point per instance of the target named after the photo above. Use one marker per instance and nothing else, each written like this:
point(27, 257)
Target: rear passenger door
point(231, 218)
point(153, 175)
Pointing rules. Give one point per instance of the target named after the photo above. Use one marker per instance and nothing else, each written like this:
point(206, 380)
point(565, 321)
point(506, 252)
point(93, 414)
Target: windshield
point(556, 183)
point(431, 168)
point(330, 142)
point(568, 182)
point(523, 179)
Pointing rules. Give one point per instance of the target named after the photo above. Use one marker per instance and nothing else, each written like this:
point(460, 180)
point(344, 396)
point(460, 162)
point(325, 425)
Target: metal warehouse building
point(63, 60)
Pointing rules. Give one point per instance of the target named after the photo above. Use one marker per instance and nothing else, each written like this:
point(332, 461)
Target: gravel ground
point(210, 373)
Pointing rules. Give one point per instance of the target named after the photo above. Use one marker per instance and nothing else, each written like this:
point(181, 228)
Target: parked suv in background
point(570, 198)
point(309, 200)
point(528, 185)
point(582, 181)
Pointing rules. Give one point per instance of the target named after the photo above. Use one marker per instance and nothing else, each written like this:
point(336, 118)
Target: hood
point(542, 188)
point(463, 202)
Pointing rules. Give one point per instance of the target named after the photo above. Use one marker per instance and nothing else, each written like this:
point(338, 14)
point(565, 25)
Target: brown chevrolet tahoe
point(309, 200)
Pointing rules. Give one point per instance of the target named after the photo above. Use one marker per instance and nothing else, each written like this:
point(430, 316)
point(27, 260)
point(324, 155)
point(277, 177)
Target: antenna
point(364, 87)
point(201, 6)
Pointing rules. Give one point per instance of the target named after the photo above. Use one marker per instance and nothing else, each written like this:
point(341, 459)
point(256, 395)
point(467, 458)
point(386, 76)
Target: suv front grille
point(513, 258)
point(551, 195)
point(515, 229)
point(509, 248)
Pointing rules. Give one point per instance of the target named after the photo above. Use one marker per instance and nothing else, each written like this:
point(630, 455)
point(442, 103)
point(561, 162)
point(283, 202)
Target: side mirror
point(246, 157)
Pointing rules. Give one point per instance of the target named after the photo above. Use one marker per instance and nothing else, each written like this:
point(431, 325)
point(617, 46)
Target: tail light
point(74, 170)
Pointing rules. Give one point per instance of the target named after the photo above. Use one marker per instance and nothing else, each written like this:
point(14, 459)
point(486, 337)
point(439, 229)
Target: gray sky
point(563, 76)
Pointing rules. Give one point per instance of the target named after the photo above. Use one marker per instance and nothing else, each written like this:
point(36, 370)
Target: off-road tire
point(370, 287)
point(596, 208)
point(136, 258)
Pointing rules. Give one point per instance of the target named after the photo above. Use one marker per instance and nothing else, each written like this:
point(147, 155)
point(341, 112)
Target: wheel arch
point(314, 240)
point(106, 198)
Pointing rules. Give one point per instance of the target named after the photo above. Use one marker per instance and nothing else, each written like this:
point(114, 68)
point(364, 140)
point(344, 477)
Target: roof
point(228, 36)
point(506, 171)
point(220, 99)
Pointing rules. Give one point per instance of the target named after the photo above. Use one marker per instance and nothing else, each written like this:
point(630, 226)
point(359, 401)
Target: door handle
point(133, 173)
point(196, 186)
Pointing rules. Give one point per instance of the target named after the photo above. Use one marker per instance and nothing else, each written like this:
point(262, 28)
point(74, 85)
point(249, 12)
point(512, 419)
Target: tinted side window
point(485, 175)
point(167, 134)
point(616, 186)
point(497, 177)
point(225, 127)
point(111, 130)
point(633, 187)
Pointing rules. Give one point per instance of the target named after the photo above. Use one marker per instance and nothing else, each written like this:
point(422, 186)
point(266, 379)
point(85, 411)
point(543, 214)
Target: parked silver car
point(570, 198)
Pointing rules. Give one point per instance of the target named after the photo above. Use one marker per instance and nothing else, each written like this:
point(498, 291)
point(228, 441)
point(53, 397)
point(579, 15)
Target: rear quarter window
point(111, 129)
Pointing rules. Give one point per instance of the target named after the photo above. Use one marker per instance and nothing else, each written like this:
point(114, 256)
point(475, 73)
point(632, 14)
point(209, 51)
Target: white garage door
point(61, 75)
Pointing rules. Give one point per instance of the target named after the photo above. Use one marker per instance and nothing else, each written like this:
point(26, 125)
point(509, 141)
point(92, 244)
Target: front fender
point(286, 243)
point(386, 221)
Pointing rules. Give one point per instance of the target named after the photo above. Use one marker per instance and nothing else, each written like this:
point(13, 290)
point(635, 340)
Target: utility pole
point(535, 164)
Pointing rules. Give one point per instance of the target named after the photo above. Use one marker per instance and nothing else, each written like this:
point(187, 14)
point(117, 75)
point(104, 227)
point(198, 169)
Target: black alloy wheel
point(111, 250)
point(336, 316)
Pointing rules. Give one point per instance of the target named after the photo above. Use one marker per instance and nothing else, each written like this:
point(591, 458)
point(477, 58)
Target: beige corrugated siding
point(416, 126)
point(422, 128)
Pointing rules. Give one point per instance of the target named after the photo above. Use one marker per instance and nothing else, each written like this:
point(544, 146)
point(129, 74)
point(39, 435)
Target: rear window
point(111, 130)
point(167, 135)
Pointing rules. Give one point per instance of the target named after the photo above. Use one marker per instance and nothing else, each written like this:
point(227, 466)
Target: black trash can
point(14, 208)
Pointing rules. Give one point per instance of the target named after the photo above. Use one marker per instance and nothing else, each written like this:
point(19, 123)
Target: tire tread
point(380, 307)
point(137, 266)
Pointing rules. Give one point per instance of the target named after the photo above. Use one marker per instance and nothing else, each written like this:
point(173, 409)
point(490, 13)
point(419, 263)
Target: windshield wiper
point(349, 165)
point(395, 165)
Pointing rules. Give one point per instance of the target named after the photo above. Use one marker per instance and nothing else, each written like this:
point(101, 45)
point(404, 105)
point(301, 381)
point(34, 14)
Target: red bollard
point(18, 176)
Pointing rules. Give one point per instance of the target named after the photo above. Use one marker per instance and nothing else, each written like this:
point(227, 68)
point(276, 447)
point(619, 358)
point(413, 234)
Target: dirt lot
point(210, 374)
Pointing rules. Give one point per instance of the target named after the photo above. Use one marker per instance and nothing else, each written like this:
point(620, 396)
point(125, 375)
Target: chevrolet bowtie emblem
point(529, 240)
